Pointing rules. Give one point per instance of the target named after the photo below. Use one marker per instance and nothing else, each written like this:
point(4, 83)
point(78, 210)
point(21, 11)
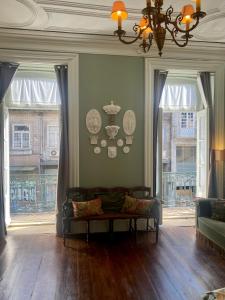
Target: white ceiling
point(88, 16)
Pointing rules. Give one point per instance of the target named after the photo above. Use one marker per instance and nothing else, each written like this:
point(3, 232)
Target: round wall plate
point(120, 143)
point(97, 150)
point(126, 149)
point(103, 143)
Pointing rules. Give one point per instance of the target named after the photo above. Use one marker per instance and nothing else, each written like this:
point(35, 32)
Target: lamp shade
point(119, 10)
point(144, 25)
point(187, 12)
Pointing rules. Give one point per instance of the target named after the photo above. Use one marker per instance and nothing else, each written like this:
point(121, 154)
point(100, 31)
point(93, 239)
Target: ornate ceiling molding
point(35, 41)
point(37, 14)
point(62, 3)
point(29, 21)
point(210, 21)
point(86, 10)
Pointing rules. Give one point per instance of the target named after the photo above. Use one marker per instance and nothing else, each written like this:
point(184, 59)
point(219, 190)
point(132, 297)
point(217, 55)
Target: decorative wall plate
point(126, 149)
point(112, 131)
point(129, 122)
point(120, 143)
point(103, 143)
point(93, 121)
point(97, 150)
point(94, 139)
point(129, 139)
point(112, 152)
point(111, 109)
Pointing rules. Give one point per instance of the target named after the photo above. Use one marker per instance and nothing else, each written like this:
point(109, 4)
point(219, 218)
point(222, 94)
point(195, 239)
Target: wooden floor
point(39, 267)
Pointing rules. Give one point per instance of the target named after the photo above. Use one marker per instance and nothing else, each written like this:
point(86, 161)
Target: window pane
point(26, 140)
point(17, 140)
point(21, 128)
point(53, 136)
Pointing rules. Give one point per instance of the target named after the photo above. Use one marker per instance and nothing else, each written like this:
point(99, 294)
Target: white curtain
point(30, 89)
point(180, 94)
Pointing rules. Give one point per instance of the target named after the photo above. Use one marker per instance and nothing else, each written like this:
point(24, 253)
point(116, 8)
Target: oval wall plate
point(93, 121)
point(129, 122)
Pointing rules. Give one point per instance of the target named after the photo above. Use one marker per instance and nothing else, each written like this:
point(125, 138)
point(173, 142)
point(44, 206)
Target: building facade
point(33, 157)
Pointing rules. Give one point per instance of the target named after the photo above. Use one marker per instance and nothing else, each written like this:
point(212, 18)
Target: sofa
point(112, 208)
point(210, 222)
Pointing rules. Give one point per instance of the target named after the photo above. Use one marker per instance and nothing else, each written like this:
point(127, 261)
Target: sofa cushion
point(130, 205)
point(87, 208)
point(214, 230)
point(144, 206)
point(112, 201)
point(218, 210)
point(137, 206)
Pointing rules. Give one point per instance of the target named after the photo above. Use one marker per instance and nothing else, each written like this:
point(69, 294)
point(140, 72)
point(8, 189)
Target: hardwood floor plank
point(38, 267)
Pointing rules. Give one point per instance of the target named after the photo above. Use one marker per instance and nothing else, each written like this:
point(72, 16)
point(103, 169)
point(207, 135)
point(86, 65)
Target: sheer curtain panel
point(7, 71)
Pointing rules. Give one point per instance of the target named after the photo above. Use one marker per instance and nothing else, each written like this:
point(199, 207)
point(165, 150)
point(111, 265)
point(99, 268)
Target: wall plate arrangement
point(108, 136)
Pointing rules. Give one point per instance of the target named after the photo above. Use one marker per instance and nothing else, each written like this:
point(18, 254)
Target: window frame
point(48, 138)
point(187, 118)
point(17, 131)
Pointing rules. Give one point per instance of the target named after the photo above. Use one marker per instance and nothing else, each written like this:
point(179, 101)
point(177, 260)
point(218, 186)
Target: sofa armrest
point(67, 209)
point(155, 211)
point(204, 207)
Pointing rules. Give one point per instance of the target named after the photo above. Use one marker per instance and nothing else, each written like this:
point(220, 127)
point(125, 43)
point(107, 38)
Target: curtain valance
point(180, 94)
point(33, 89)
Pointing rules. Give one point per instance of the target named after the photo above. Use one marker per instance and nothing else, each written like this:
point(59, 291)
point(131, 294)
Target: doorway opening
point(180, 147)
point(32, 146)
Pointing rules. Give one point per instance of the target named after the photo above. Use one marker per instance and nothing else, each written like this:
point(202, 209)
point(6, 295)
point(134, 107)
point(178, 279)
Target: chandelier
point(155, 23)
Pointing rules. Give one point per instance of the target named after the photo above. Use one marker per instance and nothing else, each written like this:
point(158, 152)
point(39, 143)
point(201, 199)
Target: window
point(53, 136)
point(21, 137)
point(187, 120)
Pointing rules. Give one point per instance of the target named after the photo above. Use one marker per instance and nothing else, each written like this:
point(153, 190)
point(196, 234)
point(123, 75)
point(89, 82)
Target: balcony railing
point(32, 193)
point(179, 188)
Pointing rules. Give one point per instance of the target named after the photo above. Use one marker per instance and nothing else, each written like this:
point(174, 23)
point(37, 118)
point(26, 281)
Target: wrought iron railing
point(30, 193)
point(179, 188)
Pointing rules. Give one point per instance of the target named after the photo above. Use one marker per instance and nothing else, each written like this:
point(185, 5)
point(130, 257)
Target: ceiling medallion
point(155, 23)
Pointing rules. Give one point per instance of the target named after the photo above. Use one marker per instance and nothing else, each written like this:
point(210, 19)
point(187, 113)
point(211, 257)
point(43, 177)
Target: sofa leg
point(156, 230)
point(135, 228)
point(130, 225)
point(147, 225)
point(88, 231)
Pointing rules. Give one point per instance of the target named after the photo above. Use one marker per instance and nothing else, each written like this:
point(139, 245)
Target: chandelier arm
point(169, 12)
point(173, 34)
point(129, 42)
point(146, 46)
point(135, 28)
point(178, 20)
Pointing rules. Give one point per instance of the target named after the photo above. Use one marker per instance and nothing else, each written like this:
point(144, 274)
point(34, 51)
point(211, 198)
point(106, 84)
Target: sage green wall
point(104, 78)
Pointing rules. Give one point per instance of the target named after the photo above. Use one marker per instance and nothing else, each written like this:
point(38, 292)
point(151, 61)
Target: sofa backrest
point(85, 194)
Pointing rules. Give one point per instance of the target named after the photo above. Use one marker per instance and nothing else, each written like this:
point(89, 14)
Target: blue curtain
point(212, 181)
point(7, 71)
point(159, 83)
point(63, 172)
